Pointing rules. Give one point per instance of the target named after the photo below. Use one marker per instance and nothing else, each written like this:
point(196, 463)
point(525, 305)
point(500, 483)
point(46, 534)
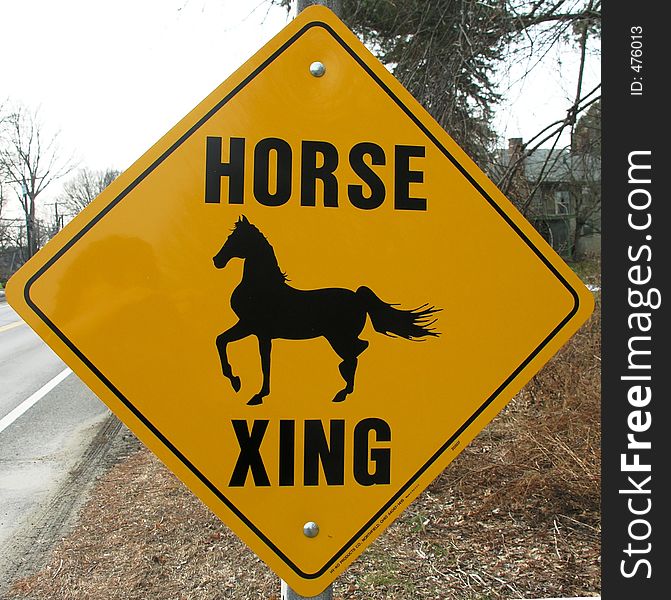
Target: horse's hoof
point(340, 396)
point(257, 399)
point(235, 382)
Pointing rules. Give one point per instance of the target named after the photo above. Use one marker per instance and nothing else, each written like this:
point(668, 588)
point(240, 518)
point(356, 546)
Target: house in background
point(558, 191)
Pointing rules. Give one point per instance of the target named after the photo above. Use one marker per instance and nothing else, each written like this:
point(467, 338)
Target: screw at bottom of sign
point(311, 529)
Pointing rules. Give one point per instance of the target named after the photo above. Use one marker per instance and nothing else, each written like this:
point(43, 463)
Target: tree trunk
point(31, 233)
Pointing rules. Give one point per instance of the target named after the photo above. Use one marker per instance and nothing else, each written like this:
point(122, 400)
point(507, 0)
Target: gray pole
point(287, 592)
point(334, 5)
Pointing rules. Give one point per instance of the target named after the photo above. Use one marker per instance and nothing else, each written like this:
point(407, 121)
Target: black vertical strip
point(635, 509)
point(287, 467)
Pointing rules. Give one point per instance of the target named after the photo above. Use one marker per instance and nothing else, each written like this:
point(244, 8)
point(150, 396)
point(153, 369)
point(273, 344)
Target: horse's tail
point(386, 319)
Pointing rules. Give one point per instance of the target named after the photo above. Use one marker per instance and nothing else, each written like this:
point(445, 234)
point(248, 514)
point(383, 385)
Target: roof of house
point(554, 166)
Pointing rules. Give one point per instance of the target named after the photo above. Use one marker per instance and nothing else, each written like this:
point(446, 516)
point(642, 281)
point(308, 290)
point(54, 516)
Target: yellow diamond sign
point(305, 299)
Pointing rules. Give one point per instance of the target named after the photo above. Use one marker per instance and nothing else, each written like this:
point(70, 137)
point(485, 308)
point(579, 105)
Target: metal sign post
point(289, 594)
point(317, 70)
point(334, 5)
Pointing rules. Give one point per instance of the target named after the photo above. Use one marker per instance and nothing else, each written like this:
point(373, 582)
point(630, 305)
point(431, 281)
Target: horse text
point(371, 465)
point(273, 165)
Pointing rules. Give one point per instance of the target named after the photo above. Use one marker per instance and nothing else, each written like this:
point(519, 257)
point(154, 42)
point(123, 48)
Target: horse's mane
point(265, 245)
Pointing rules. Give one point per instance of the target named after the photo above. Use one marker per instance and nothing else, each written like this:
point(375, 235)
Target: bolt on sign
point(305, 299)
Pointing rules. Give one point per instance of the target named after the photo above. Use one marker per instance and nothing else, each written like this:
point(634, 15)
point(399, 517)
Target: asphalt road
point(53, 434)
point(26, 363)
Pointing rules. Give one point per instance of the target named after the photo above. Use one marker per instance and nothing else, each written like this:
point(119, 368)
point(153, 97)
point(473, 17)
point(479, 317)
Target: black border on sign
point(164, 440)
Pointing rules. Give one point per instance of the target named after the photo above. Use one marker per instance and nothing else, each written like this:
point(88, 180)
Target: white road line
point(11, 326)
point(12, 416)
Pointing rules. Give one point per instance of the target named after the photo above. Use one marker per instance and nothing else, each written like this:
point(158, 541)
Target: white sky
point(112, 76)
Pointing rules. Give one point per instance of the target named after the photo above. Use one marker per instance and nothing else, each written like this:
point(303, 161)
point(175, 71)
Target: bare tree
point(29, 163)
point(4, 222)
point(85, 185)
point(586, 146)
point(579, 164)
point(12, 240)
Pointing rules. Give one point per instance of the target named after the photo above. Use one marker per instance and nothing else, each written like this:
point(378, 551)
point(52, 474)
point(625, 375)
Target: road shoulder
point(29, 548)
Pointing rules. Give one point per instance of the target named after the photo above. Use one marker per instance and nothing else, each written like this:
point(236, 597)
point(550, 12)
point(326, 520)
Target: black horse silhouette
point(269, 309)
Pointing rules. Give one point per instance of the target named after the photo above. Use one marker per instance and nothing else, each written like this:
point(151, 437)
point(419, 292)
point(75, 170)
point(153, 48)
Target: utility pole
point(58, 218)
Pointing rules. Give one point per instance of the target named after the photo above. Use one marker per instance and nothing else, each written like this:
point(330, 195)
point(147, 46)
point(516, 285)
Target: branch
point(554, 129)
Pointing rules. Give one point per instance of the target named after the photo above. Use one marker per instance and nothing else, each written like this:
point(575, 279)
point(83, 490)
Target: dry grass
point(552, 464)
point(516, 515)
